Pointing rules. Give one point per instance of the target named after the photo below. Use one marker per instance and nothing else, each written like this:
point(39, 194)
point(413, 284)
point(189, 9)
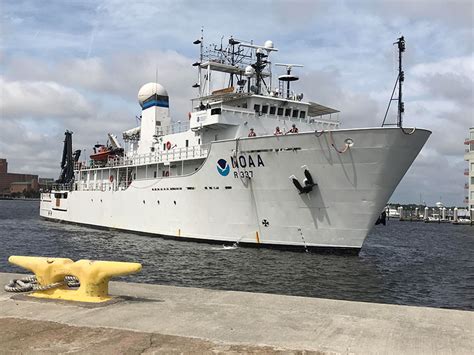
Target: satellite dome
point(249, 71)
point(268, 44)
point(150, 90)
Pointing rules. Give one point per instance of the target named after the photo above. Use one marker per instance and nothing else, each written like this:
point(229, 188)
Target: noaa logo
point(223, 167)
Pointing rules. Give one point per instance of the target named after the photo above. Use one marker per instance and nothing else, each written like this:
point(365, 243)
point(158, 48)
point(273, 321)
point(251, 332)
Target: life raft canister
point(168, 145)
point(167, 173)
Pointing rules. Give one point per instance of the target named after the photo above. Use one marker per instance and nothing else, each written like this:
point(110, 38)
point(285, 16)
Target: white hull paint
point(352, 189)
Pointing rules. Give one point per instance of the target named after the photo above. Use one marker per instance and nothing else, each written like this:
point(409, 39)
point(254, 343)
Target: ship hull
point(242, 193)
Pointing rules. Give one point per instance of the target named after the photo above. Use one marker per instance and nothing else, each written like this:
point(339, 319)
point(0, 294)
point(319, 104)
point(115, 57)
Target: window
point(295, 114)
point(256, 108)
point(302, 114)
point(216, 111)
point(244, 105)
point(187, 143)
point(272, 110)
point(288, 112)
point(280, 111)
point(164, 146)
point(265, 109)
point(154, 174)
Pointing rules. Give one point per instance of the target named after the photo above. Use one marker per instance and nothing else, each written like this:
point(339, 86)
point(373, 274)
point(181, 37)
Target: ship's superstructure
point(252, 163)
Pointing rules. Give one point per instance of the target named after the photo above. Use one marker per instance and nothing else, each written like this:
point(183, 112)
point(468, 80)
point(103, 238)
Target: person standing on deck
point(293, 129)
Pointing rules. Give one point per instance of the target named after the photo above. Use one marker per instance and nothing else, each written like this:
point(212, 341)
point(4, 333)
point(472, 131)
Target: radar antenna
point(261, 62)
point(288, 77)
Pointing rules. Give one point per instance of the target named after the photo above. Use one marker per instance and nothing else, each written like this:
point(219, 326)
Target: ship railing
point(96, 186)
point(91, 164)
point(177, 127)
point(174, 154)
point(171, 155)
point(62, 187)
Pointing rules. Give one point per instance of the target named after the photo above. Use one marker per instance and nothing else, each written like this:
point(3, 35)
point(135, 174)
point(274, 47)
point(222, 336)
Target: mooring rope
point(334, 145)
point(30, 284)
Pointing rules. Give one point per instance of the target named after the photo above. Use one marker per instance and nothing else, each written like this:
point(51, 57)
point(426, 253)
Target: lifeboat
point(102, 152)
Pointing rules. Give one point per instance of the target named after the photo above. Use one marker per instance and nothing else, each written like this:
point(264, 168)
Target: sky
point(78, 65)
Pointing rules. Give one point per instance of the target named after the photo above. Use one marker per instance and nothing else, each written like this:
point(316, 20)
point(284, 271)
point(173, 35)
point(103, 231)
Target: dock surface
point(166, 319)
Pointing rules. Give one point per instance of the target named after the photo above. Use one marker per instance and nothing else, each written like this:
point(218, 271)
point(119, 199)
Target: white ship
point(226, 173)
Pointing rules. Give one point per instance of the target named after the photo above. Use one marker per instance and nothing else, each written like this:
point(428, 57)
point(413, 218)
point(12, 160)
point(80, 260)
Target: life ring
point(111, 178)
point(167, 173)
point(168, 145)
point(189, 115)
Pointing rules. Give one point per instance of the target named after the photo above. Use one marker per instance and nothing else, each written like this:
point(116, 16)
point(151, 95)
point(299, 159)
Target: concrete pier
point(166, 319)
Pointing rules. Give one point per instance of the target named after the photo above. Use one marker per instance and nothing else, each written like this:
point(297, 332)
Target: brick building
point(6, 179)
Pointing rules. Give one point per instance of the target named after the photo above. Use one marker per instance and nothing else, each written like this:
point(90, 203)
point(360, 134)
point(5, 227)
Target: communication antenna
point(400, 79)
point(288, 77)
point(261, 52)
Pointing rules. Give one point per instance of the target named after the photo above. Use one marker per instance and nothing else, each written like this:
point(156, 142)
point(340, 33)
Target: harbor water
point(409, 263)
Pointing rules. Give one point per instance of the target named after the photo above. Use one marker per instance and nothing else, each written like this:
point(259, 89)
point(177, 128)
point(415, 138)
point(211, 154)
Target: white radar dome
point(150, 89)
point(249, 71)
point(268, 44)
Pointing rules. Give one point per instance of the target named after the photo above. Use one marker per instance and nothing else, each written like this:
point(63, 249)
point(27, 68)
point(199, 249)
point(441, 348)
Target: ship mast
point(199, 41)
point(400, 79)
point(238, 59)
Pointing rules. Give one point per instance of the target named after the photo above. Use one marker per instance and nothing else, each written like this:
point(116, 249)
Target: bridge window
point(280, 111)
point(265, 109)
point(288, 112)
point(272, 110)
point(295, 114)
point(256, 108)
point(216, 111)
point(302, 114)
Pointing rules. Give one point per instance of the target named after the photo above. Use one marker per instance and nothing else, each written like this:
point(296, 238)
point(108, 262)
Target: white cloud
point(20, 99)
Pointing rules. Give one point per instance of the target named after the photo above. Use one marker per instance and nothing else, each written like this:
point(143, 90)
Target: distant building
point(6, 180)
point(469, 157)
point(20, 187)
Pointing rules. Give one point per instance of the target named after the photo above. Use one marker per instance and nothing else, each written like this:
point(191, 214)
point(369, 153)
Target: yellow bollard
point(94, 276)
